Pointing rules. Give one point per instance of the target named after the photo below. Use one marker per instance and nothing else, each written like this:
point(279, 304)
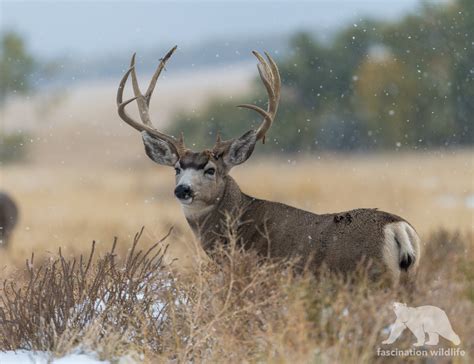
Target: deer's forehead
point(194, 160)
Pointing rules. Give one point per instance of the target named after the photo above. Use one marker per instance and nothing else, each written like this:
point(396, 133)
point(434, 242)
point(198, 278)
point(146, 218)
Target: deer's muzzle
point(183, 192)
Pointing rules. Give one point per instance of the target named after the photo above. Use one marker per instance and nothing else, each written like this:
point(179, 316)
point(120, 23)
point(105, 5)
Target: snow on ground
point(41, 357)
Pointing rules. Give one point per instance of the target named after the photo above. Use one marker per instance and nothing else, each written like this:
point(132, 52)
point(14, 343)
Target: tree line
point(403, 84)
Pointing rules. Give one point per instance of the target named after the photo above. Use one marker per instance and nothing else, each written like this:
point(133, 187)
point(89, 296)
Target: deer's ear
point(159, 150)
point(241, 149)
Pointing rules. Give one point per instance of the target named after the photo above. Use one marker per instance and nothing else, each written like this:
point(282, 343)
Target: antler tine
point(271, 80)
point(121, 104)
point(218, 138)
point(157, 73)
point(264, 68)
point(276, 77)
point(143, 102)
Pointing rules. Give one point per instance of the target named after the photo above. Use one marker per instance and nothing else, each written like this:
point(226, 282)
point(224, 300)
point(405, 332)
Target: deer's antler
point(271, 79)
point(143, 102)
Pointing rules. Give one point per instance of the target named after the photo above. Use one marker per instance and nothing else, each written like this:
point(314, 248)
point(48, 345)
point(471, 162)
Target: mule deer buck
point(8, 218)
point(208, 194)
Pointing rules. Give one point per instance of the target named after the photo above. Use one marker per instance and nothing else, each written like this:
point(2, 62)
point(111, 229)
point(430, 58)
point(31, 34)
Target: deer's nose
point(183, 192)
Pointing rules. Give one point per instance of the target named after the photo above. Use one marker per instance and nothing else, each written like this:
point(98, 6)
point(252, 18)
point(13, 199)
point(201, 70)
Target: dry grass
point(64, 296)
point(234, 309)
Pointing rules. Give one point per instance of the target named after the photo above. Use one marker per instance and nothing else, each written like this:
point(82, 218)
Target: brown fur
point(339, 240)
point(8, 217)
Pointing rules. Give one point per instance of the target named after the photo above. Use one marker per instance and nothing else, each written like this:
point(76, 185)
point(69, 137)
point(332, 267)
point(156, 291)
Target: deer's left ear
point(241, 149)
point(160, 151)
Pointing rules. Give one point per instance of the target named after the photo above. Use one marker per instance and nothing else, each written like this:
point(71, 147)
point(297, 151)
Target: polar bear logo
point(421, 320)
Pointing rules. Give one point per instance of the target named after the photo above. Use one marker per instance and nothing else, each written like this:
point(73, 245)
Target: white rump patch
point(400, 239)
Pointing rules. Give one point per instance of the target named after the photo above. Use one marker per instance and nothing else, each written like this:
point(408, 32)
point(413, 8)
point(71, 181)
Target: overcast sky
point(91, 27)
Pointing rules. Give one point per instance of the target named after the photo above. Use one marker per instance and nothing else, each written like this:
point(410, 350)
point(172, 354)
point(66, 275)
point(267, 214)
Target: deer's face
point(199, 179)
point(200, 176)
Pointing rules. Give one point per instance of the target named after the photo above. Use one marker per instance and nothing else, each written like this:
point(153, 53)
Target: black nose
point(183, 192)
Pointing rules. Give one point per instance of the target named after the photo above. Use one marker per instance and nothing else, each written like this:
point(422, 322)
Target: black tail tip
point(406, 261)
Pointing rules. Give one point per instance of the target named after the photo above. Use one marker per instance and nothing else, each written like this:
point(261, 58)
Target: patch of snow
point(42, 357)
point(23, 356)
point(78, 359)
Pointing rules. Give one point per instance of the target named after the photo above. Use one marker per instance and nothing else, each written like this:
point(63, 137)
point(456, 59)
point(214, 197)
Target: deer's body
point(8, 218)
point(212, 200)
point(340, 241)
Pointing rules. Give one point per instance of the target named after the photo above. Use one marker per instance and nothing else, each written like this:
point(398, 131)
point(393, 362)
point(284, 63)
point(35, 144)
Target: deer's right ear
point(241, 149)
point(159, 150)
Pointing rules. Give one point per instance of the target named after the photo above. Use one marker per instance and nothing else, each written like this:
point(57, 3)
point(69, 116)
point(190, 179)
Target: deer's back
point(336, 239)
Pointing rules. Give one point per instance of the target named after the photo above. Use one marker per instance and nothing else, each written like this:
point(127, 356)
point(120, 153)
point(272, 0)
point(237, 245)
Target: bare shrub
point(64, 297)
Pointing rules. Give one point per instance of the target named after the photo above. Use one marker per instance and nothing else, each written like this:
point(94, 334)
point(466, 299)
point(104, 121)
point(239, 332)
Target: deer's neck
point(210, 223)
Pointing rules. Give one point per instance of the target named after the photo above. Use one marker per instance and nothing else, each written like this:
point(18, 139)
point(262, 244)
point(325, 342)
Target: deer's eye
point(210, 171)
point(177, 170)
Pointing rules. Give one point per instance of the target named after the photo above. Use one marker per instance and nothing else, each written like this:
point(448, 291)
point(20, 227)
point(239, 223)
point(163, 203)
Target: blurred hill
point(205, 55)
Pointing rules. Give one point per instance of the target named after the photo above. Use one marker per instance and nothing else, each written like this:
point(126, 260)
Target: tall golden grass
point(236, 308)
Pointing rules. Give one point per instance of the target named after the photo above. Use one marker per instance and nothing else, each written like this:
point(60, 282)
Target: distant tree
point(459, 35)
point(13, 147)
point(16, 66)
